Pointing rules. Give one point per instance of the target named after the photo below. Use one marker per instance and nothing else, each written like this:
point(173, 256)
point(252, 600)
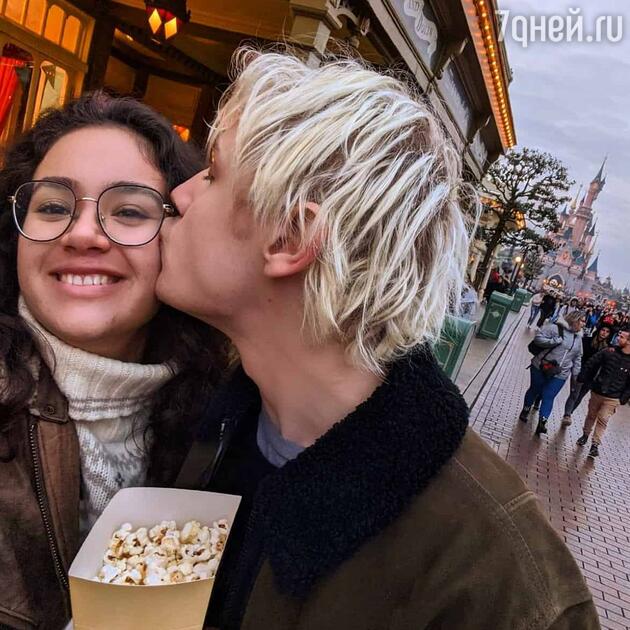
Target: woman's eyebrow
point(123, 182)
point(67, 181)
point(74, 184)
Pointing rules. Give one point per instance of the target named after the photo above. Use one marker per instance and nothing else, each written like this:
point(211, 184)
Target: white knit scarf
point(110, 403)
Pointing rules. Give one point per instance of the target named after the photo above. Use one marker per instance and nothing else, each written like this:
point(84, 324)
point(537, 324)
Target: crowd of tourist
point(586, 344)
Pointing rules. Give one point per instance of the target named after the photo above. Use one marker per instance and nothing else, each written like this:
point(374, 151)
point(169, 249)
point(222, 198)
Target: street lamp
point(518, 260)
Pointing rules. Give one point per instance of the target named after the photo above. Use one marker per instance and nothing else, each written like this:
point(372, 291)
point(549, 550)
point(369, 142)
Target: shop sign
point(418, 21)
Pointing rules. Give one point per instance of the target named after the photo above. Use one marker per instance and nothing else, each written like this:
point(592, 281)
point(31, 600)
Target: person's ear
point(287, 255)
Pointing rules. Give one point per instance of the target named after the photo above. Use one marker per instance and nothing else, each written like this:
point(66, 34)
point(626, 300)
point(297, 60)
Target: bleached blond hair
point(391, 235)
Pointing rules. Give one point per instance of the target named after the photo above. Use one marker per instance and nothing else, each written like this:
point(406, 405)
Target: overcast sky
point(573, 100)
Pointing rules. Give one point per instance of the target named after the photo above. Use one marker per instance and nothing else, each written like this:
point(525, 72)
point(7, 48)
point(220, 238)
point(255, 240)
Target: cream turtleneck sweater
point(110, 403)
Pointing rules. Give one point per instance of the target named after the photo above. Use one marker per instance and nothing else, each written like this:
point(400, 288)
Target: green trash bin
point(496, 313)
point(520, 295)
point(528, 298)
point(454, 342)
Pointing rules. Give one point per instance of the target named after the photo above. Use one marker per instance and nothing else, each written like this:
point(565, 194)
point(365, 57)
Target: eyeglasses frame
point(168, 211)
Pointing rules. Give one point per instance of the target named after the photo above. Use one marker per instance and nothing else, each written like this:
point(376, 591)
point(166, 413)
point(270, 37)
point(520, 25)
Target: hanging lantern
point(166, 17)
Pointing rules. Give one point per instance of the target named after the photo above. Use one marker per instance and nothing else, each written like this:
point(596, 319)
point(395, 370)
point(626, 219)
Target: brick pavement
point(587, 501)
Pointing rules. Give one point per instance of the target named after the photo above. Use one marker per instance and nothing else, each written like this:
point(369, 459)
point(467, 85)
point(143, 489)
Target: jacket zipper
point(44, 508)
point(243, 578)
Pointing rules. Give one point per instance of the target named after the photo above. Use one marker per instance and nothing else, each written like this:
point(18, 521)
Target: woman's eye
point(53, 209)
point(130, 213)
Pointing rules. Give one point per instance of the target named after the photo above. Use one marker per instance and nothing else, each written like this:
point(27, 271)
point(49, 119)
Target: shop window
point(71, 34)
point(14, 10)
point(54, 24)
point(35, 13)
point(16, 68)
point(52, 87)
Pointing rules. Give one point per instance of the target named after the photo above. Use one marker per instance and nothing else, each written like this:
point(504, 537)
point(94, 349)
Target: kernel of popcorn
point(187, 551)
point(155, 576)
point(175, 575)
point(203, 536)
point(159, 531)
point(186, 567)
point(202, 570)
point(116, 547)
point(121, 533)
point(156, 560)
point(137, 561)
point(132, 576)
point(108, 573)
point(171, 542)
point(132, 546)
point(190, 531)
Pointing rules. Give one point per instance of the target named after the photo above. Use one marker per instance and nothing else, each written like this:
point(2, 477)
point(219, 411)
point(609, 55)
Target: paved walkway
point(587, 501)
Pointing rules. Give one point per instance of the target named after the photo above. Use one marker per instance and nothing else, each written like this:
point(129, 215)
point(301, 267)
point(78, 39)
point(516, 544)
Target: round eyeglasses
point(129, 214)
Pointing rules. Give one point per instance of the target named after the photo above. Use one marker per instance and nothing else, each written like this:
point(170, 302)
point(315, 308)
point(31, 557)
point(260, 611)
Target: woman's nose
point(85, 232)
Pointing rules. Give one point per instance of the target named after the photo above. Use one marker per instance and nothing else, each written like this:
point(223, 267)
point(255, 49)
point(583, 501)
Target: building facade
point(53, 50)
point(572, 267)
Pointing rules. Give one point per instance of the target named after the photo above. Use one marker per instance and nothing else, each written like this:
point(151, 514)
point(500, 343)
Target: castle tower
point(574, 203)
point(584, 213)
point(592, 270)
point(595, 187)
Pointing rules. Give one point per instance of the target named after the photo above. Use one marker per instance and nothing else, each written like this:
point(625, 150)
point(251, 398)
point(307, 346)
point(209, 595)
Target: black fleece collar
point(358, 477)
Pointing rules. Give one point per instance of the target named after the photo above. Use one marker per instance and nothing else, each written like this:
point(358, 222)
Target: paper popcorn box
point(99, 606)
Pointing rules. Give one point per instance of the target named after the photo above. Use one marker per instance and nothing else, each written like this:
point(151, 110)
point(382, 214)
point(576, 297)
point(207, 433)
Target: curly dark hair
point(198, 350)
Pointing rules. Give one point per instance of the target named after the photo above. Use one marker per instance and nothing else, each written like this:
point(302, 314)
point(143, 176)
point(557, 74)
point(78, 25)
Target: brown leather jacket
point(39, 511)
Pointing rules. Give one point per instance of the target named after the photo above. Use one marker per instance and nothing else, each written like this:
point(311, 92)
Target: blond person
point(327, 240)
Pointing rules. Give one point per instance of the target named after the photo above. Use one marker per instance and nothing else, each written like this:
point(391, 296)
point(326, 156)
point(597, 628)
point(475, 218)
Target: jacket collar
point(48, 403)
point(357, 478)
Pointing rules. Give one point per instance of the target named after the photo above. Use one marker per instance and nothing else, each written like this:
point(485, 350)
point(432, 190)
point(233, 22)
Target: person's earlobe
point(288, 255)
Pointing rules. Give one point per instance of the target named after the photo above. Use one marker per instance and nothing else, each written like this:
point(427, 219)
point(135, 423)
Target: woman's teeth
point(91, 280)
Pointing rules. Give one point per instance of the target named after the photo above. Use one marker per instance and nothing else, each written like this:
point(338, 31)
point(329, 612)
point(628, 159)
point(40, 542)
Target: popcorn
point(163, 554)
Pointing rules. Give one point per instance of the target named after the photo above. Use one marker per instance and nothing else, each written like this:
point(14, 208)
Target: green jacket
point(400, 517)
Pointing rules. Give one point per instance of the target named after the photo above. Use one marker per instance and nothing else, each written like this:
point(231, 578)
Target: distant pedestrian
point(537, 299)
point(568, 307)
point(592, 319)
point(608, 376)
point(547, 308)
point(579, 389)
point(469, 303)
point(559, 358)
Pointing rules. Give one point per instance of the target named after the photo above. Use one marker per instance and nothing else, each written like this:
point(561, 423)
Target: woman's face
point(108, 314)
point(578, 324)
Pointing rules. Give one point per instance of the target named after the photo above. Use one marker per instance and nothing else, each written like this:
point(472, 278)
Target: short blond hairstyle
point(393, 238)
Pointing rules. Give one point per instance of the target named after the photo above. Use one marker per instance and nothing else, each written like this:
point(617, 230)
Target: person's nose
point(182, 196)
point(85, 233)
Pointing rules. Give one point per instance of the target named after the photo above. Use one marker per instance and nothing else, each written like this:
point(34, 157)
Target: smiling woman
point(100, 384)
